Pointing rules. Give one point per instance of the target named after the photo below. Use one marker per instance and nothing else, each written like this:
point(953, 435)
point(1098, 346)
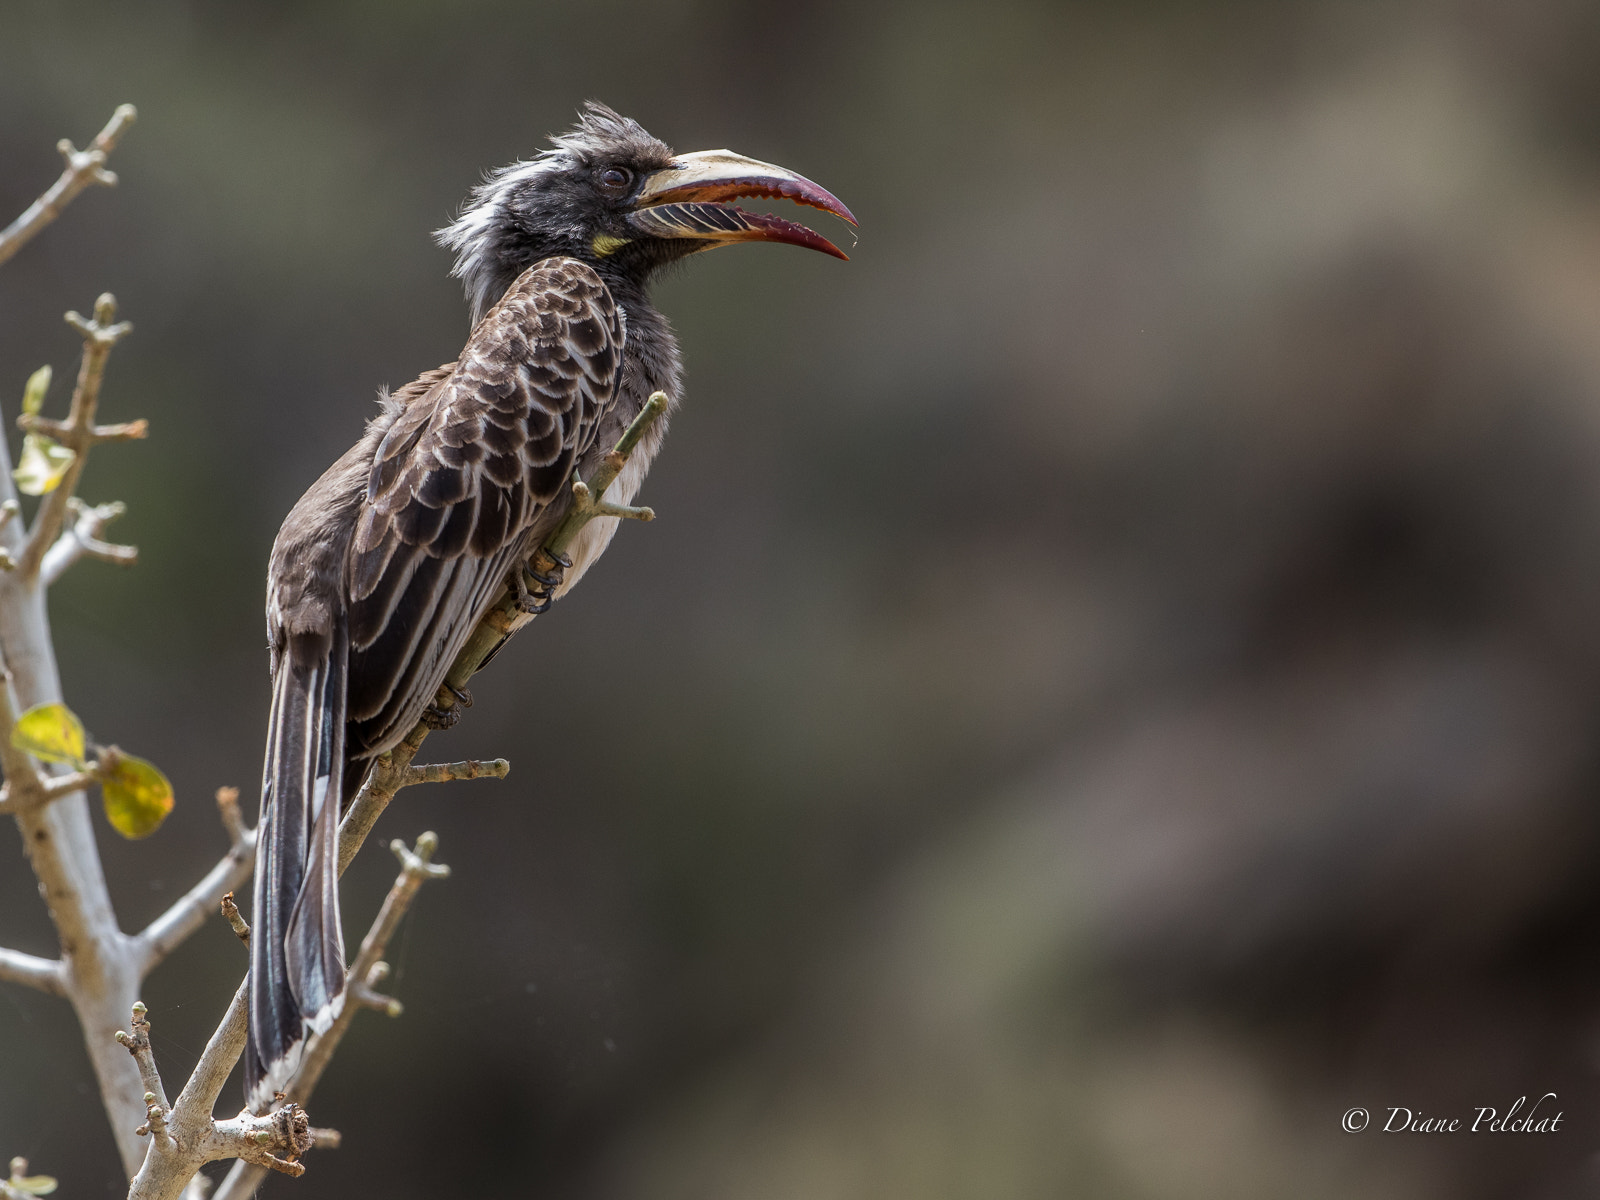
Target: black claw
point(462, 695)
point(549, 582)
point(534, 605)
point(528, 601)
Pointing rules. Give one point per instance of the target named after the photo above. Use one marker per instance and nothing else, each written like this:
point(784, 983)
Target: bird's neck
point(632, 294)
point(650, 353)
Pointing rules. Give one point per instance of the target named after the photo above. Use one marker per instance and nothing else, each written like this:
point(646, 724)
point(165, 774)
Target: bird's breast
point(592, 541)
point(650, 363)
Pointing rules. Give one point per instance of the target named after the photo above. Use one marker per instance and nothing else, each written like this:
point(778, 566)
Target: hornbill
point(385, 565)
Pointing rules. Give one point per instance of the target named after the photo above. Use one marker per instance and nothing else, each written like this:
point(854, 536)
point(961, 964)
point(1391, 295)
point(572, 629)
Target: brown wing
point(461, 478)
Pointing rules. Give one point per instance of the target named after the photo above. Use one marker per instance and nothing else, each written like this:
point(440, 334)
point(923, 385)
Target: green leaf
point(43, 463)
point(34, 1185)
point(33, 393)
point(51, 732)
point(137, 796)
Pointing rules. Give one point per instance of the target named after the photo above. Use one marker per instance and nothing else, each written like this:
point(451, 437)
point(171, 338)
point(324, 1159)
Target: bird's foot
point(435, 717)
point(463, 695)
point(531, 602)
point(541, 596)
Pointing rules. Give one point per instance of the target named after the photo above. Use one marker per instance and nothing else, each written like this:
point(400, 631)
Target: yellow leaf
point(51, 732)
point(33, 393)
point(43, 463)
point(137, 796)
point(34, 1185)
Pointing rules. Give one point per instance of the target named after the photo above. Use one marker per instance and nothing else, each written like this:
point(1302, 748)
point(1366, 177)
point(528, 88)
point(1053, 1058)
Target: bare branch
point(495, 768)
point(46, 974)
point(56, 830)
point(137, 1044)
point(82, 539)
point(261, 1140)
point(49, 787)
point(366, 972)
point(227, 1041)
point(368, 969)
point(388, 776)
point(59, 841)
point(191, 1114)
point(199, 1095)
point(99, 335)
point(228, 810)
point(76, 437)
point(184, 1137)
point(56, 786)
point(83, 168)
point(235, 919)
point(168, 931)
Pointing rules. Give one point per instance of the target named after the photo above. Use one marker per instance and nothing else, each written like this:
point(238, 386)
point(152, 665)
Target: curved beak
point(688, 200)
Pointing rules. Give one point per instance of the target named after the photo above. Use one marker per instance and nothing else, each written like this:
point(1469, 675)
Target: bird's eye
point(615, 179)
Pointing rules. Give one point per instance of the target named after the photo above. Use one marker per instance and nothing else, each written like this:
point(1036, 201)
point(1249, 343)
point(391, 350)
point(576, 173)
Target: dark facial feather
point(546, 206)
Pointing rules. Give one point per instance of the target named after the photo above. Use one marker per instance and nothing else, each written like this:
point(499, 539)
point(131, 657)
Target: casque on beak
point(687, 200)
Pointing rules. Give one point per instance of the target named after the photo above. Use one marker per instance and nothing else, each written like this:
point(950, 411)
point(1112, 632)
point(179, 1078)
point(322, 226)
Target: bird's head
point(613, 196)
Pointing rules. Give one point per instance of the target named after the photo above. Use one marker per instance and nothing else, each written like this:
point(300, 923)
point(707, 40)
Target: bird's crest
point(487, 213)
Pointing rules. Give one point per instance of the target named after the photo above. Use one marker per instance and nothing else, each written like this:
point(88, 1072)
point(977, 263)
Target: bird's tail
point(296, 944)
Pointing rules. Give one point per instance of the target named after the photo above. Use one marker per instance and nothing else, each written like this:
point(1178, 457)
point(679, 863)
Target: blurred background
point(1115, 680)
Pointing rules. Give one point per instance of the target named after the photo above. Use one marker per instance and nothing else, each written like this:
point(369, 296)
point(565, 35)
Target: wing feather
point(462, 478)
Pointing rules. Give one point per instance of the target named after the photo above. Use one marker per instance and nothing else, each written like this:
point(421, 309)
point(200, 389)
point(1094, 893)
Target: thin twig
point(46, 974)
point(82, 539)
point(83, 168)
point(99, 335)
point(80, 437)
point(235, 919)
point(199, 1095)
point(50, 787)
point(416, 867)
point(494, 768)
point(228, 810)
point(168, 931)
point(137, 1044)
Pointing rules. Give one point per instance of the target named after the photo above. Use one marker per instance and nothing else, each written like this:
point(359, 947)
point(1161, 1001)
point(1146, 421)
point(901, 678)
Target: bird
point(384, 566)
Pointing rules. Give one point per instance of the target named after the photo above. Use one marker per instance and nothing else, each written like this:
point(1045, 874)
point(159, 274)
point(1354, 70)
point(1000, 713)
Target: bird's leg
point(547, 571)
